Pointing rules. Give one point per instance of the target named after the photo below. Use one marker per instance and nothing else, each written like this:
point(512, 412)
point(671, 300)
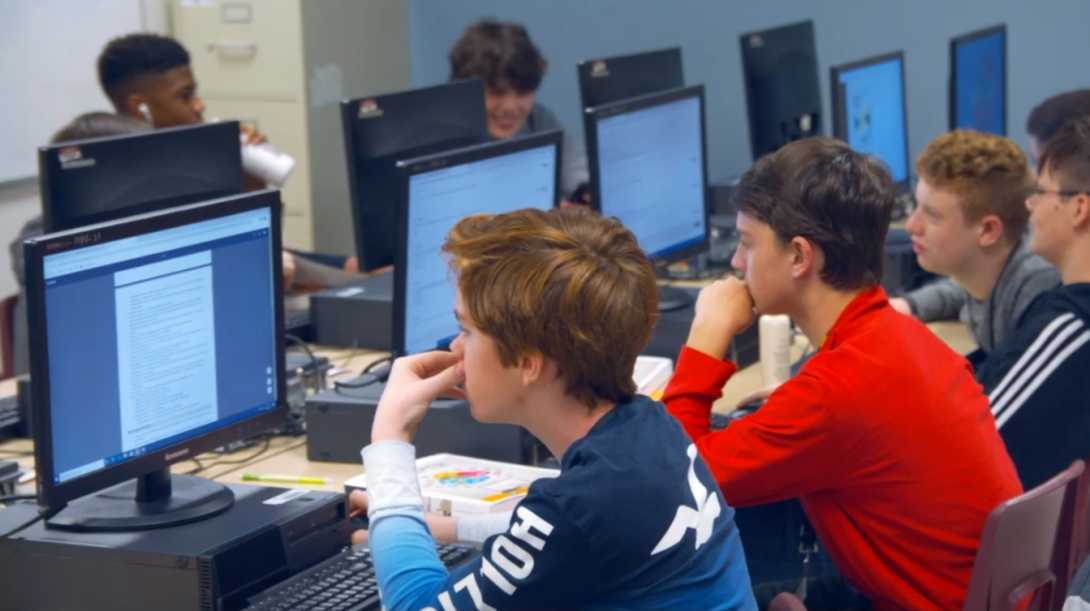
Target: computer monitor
point(783, 94)
point(153, 339)
point(437, 192)
point(380, 131)
point(978, 81)
point(648, 169)
point(102, 179)
point(869, 110)
point(612, 79)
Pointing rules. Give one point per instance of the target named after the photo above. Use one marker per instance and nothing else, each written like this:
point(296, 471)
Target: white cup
point(775, 334)
point(267, 163)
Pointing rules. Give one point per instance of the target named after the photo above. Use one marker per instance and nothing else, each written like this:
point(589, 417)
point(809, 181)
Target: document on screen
point(166, 347)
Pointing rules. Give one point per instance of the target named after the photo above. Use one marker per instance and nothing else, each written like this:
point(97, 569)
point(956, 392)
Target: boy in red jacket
point(884, 435)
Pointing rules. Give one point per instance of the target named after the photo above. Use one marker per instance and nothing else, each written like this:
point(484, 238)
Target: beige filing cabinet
point(285, 65)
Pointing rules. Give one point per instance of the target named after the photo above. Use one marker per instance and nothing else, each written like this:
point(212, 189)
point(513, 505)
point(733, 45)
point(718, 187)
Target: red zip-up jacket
point(885, 436)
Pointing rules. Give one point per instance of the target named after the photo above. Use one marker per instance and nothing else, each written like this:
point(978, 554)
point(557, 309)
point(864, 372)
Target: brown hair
point(499, 52)
point(568, 284)
point(98, 125)
point(988, 173)
point(1067, 156)
point(819, 189)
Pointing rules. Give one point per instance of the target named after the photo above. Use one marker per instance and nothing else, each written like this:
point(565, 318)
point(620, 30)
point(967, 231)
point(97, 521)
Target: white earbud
point(143, 108)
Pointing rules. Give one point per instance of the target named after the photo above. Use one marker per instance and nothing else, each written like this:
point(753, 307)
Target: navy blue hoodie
point(1038, 382)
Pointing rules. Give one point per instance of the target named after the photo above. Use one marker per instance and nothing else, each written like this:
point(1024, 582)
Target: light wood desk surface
point(287, 455)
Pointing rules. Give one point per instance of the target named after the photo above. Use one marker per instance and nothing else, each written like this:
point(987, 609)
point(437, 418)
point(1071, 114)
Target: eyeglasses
point(1035, 191)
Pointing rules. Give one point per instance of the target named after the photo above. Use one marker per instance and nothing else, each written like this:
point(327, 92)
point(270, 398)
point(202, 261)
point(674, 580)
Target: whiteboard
point(48, 74)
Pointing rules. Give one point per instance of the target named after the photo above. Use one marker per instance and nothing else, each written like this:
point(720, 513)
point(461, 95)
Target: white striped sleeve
point(1053, 346)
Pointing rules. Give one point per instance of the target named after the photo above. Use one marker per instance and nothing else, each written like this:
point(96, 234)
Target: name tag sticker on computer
point(284, 497)
point(350, 292)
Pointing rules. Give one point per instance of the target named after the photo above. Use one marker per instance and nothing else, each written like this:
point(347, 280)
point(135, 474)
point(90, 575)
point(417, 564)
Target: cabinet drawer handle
point(242, 47)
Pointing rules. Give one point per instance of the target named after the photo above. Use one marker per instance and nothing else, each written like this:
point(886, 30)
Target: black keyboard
point(720, 421)
point(345, 582)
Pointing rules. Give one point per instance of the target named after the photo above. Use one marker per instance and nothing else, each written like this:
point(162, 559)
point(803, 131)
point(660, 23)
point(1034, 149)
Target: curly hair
point(989, 175)
point(129, 57)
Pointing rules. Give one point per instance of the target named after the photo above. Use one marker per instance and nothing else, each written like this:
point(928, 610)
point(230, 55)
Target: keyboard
point(345, 582)
point(720, 421)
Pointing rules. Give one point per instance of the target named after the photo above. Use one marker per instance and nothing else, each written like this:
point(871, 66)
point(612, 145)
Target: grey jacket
point(1025, 276)
point(573, 156)
point(20, 337)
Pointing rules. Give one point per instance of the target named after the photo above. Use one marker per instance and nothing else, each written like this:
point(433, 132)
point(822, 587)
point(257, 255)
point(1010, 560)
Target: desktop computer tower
point(356, 315)
point(215, 564)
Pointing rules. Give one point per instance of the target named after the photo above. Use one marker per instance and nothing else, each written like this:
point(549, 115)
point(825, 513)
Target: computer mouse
point(360, 521)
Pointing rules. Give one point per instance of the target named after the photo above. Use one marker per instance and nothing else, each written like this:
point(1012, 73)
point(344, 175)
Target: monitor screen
point(650, 173)
point(93, 181)
point(874, 112)
point(438, 199)
point(157, 338)
point(979, 88)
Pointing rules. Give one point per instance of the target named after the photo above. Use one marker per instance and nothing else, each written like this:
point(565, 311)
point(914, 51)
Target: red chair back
point(1021, 547)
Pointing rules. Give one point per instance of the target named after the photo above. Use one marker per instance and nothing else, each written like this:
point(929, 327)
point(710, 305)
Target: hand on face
point(723, 310)
point(415, 383)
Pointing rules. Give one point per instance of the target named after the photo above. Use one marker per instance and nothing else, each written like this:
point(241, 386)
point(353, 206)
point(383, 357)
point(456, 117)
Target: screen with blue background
point(651, 172)
point(875, 113)
point(157, 338)
point(978, 89)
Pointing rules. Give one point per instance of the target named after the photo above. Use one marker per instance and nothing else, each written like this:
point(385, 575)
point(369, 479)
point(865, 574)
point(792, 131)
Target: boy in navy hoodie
point(555, 307)
point(1037, 378)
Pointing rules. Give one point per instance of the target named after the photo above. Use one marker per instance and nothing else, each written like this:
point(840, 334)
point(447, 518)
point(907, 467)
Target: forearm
point(403, 550)
point(940, 300)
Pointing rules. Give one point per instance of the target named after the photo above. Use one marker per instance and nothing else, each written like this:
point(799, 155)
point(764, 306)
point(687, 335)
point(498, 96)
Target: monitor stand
point(156, 500)
point(672, 298)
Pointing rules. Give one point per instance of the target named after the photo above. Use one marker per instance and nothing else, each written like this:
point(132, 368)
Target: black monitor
point(869, 110)
point(437, 192)
point(612, 79)
point(92, 181)
point(383, 130)
point(649, 170)
point(783, 94)
point(153, 339)
point(978, 81)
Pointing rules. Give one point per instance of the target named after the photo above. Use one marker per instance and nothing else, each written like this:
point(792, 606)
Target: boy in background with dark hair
point(512, 67)
point(555, 307)
point(970, 224)
point(1037, 378)
point(149, 77)
point(1046, 119)
point(884, 434)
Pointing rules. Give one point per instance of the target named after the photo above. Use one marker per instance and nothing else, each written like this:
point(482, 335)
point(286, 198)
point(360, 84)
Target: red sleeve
point(786, 449)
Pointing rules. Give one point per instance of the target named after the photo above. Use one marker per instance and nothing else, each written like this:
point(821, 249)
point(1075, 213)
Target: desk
point(287, 455)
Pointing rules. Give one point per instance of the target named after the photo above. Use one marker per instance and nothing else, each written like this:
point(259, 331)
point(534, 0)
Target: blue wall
point(1047, 44)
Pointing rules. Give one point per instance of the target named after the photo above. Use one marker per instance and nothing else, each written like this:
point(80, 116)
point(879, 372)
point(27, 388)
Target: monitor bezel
point(839, 110)
point(48, 168)
point(430, 163)
point(584, 69)
point(594, 115)
point(57, 495)
point(359, 199)
point(969, 37)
